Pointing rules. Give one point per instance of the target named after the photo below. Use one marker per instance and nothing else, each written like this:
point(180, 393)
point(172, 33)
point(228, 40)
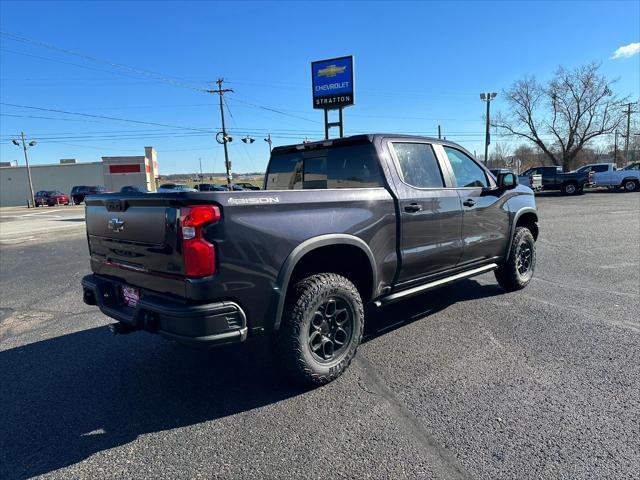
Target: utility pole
point(487, 139)
point(439, 132)
point(201, 175)
point(626, 139)
point(32, 143)
point(221, 91)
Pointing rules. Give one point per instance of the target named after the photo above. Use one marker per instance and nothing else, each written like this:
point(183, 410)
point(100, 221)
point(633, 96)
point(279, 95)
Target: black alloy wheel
point(330, 329)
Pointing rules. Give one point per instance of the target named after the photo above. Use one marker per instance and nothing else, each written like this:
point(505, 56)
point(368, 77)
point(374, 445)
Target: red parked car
point(51, 198)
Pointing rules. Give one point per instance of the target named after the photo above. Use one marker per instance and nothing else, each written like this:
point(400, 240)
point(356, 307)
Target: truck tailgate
point(139, 233)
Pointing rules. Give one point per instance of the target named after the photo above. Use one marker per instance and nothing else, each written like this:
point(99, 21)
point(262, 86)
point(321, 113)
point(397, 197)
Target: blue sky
point(418, 64)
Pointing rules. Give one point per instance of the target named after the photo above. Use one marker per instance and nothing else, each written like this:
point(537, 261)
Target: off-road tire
point(304, 301)
point(508, 274)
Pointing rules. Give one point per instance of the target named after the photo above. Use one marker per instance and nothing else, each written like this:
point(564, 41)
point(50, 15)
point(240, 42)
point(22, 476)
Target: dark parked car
point(79, 192)
point(211, 187)
point(175, 187)
point(363, 219)
point(245, 186)
point(134, 189)
point(50, 198)
point(553, 178)
point(632, 166)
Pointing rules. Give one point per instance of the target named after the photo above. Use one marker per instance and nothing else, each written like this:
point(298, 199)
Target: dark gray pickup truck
point(570, 183)
point(368, 218)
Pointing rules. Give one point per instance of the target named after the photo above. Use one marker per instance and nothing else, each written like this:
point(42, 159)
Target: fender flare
point(626, 179)
point(284, 276)
point(514, 222)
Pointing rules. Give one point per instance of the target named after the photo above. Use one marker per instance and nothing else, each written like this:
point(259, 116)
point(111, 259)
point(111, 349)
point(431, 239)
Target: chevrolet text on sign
point(332, 82)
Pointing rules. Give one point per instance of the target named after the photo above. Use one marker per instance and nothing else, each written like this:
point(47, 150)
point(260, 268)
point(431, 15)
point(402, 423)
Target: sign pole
point(341, 124)
point(326, 124)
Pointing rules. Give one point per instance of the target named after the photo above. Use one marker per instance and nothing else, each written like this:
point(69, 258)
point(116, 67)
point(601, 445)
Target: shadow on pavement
point(68, 397)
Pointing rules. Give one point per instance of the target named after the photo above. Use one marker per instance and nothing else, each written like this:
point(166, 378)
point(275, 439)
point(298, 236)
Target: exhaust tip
point(89, 297)
point(120, 329)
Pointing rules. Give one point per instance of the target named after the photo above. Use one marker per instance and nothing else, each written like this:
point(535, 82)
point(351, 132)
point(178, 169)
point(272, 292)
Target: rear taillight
point(199, 256)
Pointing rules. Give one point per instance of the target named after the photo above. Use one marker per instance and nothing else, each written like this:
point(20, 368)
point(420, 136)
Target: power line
point(159, 77)
point(64, 62)
point(270, 109)
point(48, 118)
point(246, 151)
point(103, 117)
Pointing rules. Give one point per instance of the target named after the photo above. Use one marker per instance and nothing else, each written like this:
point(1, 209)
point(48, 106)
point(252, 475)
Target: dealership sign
point(332, 82)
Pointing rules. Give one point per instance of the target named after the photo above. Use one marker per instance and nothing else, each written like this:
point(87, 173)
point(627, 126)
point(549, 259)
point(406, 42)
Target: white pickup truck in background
point(607, 175)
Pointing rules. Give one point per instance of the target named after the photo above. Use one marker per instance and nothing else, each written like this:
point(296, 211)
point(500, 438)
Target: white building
point(112, 172)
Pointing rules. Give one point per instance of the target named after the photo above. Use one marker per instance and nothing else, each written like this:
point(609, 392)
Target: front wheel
point(569, 189)
point(321, 328)
point(517, 270)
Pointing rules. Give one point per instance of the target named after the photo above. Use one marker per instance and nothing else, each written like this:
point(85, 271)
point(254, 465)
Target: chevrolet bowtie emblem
point(330, 71)
point(116, 224)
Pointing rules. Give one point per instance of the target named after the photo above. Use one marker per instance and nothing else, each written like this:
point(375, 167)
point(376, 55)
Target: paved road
point(21, 224)
point(465, 382)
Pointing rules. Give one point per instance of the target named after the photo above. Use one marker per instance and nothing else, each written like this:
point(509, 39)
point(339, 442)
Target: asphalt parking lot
point(22, 225)
point(463, 382)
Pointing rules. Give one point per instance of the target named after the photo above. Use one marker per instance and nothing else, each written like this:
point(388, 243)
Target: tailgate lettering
point(252, 200)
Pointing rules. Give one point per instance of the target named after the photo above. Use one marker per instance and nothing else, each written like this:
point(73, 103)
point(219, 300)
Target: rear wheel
point(630, 185)
point(517, 270)
point(321, 328)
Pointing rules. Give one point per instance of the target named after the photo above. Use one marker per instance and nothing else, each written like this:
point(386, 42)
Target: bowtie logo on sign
point(331, 71)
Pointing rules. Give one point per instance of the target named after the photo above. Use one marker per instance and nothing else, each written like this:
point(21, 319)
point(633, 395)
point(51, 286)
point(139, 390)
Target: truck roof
point(357, 140)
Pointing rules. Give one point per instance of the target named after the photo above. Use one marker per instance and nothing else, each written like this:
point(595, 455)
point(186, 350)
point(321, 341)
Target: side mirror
point(507, 181)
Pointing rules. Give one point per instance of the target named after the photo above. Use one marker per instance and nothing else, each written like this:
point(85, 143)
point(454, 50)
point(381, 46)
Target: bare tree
point(562, 116)
point(499, 156)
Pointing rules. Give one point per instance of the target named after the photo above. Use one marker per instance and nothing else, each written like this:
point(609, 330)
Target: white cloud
point(627, 51)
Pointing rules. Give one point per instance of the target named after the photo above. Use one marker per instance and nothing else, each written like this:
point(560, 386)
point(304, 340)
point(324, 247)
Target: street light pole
point(626, 141)
point(487, 140)
point(26, 161)
point(269, 141)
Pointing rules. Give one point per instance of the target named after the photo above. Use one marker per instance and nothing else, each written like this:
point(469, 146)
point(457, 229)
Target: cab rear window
point(354, 166)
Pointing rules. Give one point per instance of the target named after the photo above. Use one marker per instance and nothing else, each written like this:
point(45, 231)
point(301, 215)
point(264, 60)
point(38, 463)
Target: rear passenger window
point(418, 165)
point(315, 173)
point(349, 166)
point(467, 172)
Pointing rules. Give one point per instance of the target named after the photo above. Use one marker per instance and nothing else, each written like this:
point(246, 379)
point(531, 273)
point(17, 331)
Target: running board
point(436, 283)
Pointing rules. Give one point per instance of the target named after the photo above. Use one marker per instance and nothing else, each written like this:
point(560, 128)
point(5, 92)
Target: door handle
point(469, 202)
point(412, 208)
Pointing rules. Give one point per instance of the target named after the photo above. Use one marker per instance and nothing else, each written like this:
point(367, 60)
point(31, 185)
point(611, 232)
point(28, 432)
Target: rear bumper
point(186, 322)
